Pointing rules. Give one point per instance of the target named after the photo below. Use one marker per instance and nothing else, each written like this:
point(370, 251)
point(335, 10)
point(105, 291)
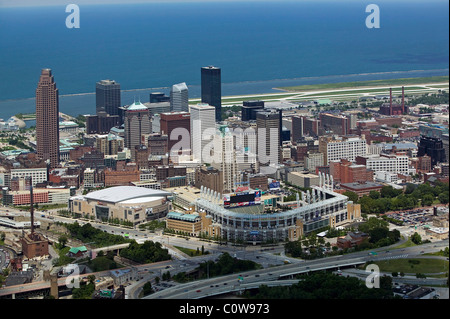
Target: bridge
point(275, 276)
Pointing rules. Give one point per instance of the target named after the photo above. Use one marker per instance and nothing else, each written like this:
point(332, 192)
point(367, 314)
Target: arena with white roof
point(125, 203)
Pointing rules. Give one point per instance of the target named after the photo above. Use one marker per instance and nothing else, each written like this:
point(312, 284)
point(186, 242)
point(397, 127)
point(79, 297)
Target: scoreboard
point(242, 199)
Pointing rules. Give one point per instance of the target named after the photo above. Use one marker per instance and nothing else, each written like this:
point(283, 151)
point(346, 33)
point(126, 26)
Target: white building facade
point(203, 121)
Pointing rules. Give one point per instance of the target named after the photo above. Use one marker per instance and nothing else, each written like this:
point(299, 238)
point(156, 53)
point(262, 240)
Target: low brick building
point(352, 239)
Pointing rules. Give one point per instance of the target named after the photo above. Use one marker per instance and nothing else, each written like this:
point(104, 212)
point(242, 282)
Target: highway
point(230, 283)
point(271, 259)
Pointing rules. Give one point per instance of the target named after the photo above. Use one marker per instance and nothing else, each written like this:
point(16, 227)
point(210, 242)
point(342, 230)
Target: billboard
point(274, 185)
point(248, 198)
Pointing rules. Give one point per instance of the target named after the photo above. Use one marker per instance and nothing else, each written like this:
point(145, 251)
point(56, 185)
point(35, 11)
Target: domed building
point(126, 203)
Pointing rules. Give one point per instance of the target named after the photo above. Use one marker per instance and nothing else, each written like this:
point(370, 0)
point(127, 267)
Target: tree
point(373, 223)
point(62, 240)
point(352, 196)
point(374, 195)
point(416, 238)
point(410, 188)
point(390, 192)
point(427, 200)
point(443, 198)
point(294, 248)
point(147, 289)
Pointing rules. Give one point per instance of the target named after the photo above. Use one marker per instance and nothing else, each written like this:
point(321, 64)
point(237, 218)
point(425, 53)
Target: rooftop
point(360, 186)
point(137, 106)
point(124, 193)
point(184, 217)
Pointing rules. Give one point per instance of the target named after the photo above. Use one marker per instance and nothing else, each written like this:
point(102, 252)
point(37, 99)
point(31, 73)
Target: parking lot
point(412, 218)
point(415, 220)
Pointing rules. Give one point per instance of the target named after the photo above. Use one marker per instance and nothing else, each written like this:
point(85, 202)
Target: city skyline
point(228, 150)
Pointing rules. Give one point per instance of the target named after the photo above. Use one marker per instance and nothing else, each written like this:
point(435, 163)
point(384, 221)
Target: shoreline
point(71, 103)
point(369, 84)
point(281, 88)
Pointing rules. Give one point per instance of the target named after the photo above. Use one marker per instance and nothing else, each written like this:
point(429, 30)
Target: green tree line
point(326, 286)
point(391, 199)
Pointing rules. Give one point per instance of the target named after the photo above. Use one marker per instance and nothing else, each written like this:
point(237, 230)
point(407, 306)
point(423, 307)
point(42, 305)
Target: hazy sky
point(20, 3)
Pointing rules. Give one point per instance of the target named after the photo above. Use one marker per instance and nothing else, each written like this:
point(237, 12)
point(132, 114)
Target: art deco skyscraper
point(212, 89)
point(47, 118)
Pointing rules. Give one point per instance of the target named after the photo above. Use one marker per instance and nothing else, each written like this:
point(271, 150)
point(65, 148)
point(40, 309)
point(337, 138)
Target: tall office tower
point(202, 130)
point(297, 128)
point(179, 98)
point(212, 89)
point(137, 122)
point(107, 96)
point(268, 126)
point(225, 158)
point(177, 126)
point(249, 109)
point(47, 118)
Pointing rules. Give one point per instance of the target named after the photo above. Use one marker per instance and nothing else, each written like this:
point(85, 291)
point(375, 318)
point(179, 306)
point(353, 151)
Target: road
point(271, 259)
point(209, 287)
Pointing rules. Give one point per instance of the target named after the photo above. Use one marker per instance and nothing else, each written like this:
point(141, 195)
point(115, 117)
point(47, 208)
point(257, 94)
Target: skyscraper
point(249, 109)
point(47, 118)
point(225, 158)
point(212, 89)
point(137, 122)
point(202, 119)
point(179, 98)
point(107, 96)
point(268, 125)
point(177, 126)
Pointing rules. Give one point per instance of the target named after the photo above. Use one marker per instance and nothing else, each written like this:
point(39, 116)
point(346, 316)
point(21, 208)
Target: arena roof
point(124, 193)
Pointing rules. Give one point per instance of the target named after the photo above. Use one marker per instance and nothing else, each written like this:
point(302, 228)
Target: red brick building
point(175, 120)
point(351, 240)
point(361, 189)
point(121, 178)
point(344, 171)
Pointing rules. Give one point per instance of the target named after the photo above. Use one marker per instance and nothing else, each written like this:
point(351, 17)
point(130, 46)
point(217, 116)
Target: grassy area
point(403, 81)
point(343, 85)
point(27, 116)
point(190, 252)
point(413, 266)
point(231, 99)
point(406, 244)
